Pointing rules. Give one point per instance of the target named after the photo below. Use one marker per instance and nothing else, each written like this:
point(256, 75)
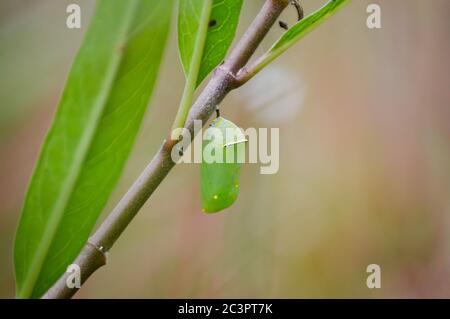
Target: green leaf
point(223, 151)
point(206, 29)
point(193, 19)
point(221, 29)
point(301, 28)
point(91, 136)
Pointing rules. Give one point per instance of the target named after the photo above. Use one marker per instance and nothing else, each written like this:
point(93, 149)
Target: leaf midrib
point(80, 155)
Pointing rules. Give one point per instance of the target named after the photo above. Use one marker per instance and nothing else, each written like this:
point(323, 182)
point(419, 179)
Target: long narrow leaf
point(222, 27)
point(98, 117)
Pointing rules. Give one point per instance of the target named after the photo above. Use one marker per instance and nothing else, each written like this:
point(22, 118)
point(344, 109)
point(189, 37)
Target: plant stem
point(93, 255)
point(194, 67)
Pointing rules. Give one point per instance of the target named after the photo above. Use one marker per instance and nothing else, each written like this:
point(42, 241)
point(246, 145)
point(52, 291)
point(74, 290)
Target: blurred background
point(364, 118)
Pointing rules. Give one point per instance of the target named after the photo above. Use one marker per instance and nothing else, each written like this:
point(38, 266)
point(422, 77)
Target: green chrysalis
point(223, 155)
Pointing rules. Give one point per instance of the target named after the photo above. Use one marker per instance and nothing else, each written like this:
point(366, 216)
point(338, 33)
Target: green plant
point(99, 114)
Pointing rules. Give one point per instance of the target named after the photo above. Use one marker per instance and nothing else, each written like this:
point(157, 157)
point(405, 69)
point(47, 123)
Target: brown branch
point(93, 255)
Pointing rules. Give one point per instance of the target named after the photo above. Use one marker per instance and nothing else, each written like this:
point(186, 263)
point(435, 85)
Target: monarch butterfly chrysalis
point(225, 142)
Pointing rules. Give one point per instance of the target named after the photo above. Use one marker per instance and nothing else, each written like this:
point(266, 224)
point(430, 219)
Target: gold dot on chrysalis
point(237, 185)
point(216, 197)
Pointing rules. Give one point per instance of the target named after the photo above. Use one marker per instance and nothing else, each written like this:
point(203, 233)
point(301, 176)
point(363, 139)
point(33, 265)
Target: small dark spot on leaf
point(212, 23)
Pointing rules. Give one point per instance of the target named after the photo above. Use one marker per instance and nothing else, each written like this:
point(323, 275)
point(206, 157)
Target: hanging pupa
point(223, 155)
